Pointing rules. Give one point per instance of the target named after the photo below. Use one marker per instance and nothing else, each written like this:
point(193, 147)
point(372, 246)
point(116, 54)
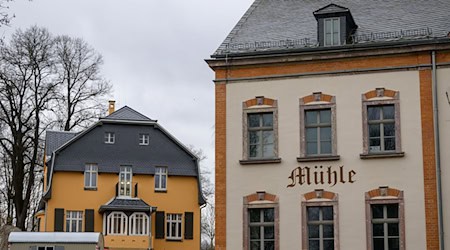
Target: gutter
point(437, 151)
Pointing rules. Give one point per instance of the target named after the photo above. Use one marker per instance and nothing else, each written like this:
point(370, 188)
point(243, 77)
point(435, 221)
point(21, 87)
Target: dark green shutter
point(159, 225)
point(188, 225)
point(89, 221)
point(59, 220)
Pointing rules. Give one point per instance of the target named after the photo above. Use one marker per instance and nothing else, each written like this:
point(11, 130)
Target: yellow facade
point(182, 196)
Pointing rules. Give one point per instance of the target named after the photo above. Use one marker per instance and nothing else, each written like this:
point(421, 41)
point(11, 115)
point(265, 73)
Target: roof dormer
point(335, 25)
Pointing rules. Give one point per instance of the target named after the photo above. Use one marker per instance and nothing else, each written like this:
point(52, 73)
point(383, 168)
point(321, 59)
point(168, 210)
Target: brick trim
point(221, 153)
point(429, 160)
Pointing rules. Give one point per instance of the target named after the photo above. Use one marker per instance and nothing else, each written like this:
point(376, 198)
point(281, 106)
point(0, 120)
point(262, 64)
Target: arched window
point(139, 224)
point(117, 223)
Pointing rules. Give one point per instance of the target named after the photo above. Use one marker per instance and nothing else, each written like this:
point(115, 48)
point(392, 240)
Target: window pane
point(253, 137)
point(388, 112)
point(389, 129)
point(328, 26)
point(373, 113)
point(327, 213)
point(269, 233)
point(255, 245)
point(325, 148)
point(163, 181)
point(313, 245)
point(86, 179)
point(325, 116)
point(268, 151)
point(269, 245)
point(311, 134)
point(389, 144)
point(311, 117)
point(336, 38)
point(328, 231)
point(157, 176)
point(253, 120)
point(94, 179)
point(325, 134)
point(255, 215)
point(255, 150)
point(328, 245)
point(393, 229)
point(377, 211)
point(327, 39)
point(335, 25)
point(311, 148)
point(255, 233)
point(392, 210)
point(374, 145)
point(313, 231)
point(268, 120)
point(377, 229)
point(378, 244)
point(374, 130)
point(313, 213)
point(394, 244)
point(269, 215)
point(267, 137)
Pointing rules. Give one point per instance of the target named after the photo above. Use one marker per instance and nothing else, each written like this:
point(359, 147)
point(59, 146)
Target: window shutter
point(159, 225)
point(188, 225)
point(59, 220)
point(89, 221)
point(136, 190)
point(117, 189)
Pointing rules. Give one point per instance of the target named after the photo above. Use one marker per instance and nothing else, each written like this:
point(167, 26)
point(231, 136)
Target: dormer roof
point(331, 9)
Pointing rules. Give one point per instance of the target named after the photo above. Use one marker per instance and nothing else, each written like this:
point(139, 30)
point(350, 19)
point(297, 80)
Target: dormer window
point(110, 138)
point(335, 25)
point(332, 32)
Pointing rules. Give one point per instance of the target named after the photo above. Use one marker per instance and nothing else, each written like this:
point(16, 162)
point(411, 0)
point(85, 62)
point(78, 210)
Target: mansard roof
point(275, 25)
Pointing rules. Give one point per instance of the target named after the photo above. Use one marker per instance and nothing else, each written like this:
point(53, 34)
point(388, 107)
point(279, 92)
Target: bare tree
point(208, 228)
point(27, 87)
point(82, 88)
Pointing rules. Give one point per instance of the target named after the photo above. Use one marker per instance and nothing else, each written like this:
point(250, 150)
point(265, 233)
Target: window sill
point(160, 191)
point(174, 239)
point(260, 161)
point(90, 188)
point(319, 158)
point(382, 155)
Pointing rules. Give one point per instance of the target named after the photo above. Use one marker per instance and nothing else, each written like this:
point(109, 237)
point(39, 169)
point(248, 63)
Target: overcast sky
point(153, 53)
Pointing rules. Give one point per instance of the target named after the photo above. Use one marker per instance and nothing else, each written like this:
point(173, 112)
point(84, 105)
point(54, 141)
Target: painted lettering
point(319, 176)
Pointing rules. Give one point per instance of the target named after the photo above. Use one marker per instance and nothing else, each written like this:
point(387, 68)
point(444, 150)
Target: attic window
point(110, 138)
point(335, 25)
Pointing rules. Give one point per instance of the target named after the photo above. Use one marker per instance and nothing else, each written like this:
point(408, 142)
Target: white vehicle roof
point(54, 237)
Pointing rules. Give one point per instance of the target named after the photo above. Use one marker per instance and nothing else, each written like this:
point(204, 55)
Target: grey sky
point(153, 52)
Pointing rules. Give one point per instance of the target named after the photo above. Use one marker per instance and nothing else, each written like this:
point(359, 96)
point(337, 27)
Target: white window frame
point(333, 31)
point(90, 172)
point(74, 217)
point(139, 223)
point(110, 137)
point(144, 139)
point(176, 219)
point(125, 181)
point(160, 174)
point(123, 220)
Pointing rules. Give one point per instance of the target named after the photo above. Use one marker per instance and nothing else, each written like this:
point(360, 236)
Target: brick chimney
point(111, 107)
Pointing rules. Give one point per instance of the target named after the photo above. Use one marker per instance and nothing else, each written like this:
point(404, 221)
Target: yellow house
point(124, 176)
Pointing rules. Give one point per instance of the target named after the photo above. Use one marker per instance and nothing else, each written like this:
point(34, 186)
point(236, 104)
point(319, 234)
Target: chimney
point(111, 107)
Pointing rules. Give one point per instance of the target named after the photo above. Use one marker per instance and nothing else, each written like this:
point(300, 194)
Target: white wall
point(402, 173)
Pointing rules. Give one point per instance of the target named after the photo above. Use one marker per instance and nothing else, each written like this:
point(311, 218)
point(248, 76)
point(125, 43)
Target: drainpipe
point(437, 151)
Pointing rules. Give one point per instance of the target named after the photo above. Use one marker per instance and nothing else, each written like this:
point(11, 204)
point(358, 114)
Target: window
point(332, 31)
point(173, 231)
point(262, 228)
point(261, 136)
point(320, 220)
point(144, 139)
point(318, 128)
point(117, 223)
point(261, 222)
point(109, 138)
point(139, 224)
point(260, 131)
point(320, 227)
point(381, 124)
point(385, 223)
point(161, 178)
point(125, 181)
point(90, 176)
point(45, 248)
point(74, 221)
